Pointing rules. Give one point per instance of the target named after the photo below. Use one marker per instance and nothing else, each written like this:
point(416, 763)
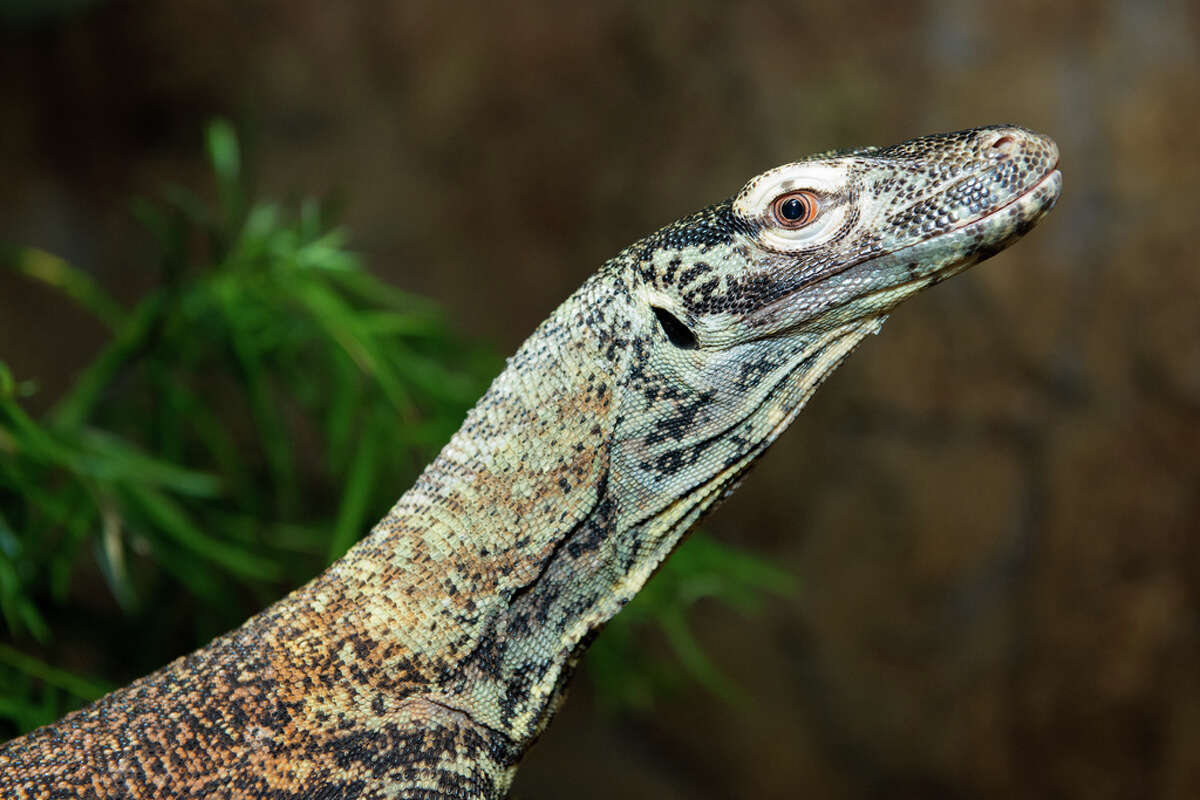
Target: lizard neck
point(567, 485)
point(455, 596)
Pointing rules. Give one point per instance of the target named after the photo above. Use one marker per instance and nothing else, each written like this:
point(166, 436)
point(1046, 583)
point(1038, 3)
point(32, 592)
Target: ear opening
point(679, 334)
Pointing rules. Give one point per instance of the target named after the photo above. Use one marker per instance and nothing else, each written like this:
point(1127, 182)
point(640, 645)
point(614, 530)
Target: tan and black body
point(427, 661)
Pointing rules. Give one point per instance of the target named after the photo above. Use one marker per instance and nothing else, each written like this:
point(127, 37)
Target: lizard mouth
point(1029, 206)
point(1050, 180)
point(951, 251)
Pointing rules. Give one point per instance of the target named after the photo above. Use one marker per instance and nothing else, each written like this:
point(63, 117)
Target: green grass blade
point(81, 687)
point(78, 404)
point(696, 661)
point(58, 274)
point(351, 518)
point(272, 434)
point(171, 519)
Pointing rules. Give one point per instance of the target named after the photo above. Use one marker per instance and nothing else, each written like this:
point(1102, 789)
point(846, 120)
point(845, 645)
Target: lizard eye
point(795, 209)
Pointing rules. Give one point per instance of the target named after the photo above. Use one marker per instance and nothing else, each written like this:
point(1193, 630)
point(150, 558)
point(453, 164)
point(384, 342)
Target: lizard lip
point(1029, 205)
point(1051, 176)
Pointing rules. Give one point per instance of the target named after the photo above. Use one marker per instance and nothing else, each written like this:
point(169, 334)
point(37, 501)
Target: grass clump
point(245, 422)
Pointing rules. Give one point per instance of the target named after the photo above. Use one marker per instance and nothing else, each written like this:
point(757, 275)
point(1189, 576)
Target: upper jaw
point(997, 167)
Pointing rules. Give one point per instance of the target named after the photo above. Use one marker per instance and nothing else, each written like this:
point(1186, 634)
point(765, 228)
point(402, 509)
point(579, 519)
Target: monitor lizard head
point(845, 235)
point(740, 310)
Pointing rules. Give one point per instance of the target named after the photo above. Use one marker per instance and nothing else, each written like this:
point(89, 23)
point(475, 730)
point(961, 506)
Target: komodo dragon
point(427, 661)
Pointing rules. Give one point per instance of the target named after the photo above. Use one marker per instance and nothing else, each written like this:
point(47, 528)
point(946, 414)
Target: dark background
point(993, 508)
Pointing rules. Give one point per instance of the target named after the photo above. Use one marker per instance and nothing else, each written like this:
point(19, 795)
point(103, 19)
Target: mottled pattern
point(427, 661)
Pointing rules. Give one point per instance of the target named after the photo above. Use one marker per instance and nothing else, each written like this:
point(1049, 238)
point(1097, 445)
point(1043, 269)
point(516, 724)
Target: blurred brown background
point(993, 508)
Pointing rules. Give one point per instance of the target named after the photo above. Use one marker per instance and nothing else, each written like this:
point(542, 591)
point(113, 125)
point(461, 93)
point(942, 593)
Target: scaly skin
point(427, 661)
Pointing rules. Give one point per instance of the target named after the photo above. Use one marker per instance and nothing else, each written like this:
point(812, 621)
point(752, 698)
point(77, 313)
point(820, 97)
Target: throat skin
point(428, 660)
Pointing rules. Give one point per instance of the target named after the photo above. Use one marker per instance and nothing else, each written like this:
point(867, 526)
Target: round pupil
point(792, 209)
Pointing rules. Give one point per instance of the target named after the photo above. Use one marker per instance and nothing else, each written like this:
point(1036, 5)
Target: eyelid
point(826, 182)
point(820, 179)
